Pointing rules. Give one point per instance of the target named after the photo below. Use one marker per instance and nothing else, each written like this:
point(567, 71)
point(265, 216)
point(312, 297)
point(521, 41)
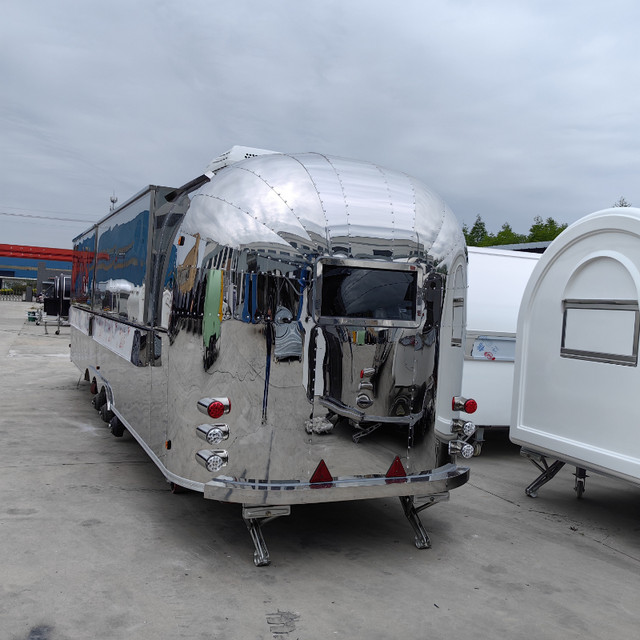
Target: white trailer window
point(601, 330)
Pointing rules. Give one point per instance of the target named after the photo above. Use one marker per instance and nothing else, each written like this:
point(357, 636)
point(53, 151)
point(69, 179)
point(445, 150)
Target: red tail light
point(458, 403)
point(215, 409)
point(470, 406)
point(321, 477)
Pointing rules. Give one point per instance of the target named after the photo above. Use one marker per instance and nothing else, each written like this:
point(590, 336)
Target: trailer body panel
point(308, 309)
point(497, 279)
point(577, 351)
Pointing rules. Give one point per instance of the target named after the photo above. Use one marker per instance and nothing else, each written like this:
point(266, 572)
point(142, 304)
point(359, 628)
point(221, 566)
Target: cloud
point(508, 110)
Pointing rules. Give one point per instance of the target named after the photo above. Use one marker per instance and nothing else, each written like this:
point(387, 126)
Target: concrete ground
point(94, 545)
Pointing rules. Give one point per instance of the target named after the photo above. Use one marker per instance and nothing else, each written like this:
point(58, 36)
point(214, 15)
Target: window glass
point(84, 255)
point(122, 262)
point(353, 292)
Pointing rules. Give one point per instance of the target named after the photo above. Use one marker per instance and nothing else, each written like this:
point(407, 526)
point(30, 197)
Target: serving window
point(372, 294)
point(601, 331)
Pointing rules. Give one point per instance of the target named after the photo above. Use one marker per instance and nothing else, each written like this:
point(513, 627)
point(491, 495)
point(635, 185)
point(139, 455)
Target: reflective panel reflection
point(314, 289)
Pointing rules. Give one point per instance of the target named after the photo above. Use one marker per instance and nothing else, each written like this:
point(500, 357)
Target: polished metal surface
point(213, 433)
point(323, 297)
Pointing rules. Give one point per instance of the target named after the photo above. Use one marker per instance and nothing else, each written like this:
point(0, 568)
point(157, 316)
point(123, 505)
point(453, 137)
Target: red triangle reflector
point(321, 476)
point(396, 470)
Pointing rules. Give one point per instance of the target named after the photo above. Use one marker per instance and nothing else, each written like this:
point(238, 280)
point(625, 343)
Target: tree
point(544, 231)
point(478, 236)
point(621, 202)
point(540, 231)
point(507, 235)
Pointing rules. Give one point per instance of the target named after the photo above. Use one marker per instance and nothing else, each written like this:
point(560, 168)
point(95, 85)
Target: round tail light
point(214, 407)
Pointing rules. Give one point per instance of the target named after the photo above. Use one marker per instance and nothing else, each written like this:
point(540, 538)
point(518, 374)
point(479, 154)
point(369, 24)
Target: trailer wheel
point(105, 413)
point(116, 427)
point(99, 399)
point(93, 387)
point(581, 479)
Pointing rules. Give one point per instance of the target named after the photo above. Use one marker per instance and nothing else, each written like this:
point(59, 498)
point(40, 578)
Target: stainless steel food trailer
point(284, 329)
point(576, 369)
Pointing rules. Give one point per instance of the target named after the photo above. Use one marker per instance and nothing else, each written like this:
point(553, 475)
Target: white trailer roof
point(497, 278)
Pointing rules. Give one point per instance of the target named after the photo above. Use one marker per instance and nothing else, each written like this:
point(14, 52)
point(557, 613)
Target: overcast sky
point(507, 109)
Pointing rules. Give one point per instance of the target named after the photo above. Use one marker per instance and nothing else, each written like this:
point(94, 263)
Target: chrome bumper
point(256, 492)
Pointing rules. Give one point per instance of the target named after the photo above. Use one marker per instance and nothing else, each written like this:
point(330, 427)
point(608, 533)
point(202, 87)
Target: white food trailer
point(576, 372)
point(497, 279)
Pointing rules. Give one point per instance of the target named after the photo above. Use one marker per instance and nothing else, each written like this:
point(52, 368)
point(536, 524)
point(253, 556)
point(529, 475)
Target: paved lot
point(94, 545)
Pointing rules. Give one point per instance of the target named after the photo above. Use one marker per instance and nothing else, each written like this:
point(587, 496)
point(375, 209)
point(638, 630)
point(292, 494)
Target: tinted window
point(121, 263)
point(83, 264)
point(352, 292)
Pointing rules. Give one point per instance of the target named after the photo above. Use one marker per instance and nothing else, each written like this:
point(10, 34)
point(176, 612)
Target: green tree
point(540, 231)
point(507, 235)
point(544, 231)
point(621, 202)
point(478, 236)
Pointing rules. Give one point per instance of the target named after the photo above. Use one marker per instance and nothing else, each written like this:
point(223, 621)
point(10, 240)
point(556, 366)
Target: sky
point(509, 110)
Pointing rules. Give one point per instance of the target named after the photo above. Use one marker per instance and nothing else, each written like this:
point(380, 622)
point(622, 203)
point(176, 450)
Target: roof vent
point(235, 154)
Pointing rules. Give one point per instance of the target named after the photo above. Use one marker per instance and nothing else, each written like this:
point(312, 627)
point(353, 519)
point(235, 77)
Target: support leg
point(581, 479)
point(254, 518)
point(261, 553)
point(548, 472)
point(422, 540)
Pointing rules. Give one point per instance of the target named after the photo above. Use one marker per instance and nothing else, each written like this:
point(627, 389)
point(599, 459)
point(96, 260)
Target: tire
point(105, 413)
point(99, 399)
point(116, 427)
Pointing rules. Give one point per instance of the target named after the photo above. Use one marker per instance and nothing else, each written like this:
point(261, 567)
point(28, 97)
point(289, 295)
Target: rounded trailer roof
point(318, 204)
point(597, 234)
point(577, 349)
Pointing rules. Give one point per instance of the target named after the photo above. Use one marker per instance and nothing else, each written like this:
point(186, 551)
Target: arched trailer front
point(576, 372)
point(285, 329)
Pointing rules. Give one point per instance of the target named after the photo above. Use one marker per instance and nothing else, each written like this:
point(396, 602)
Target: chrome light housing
point(459, 447)
point(212, 461)
point(463, 427)
point(213, 433)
